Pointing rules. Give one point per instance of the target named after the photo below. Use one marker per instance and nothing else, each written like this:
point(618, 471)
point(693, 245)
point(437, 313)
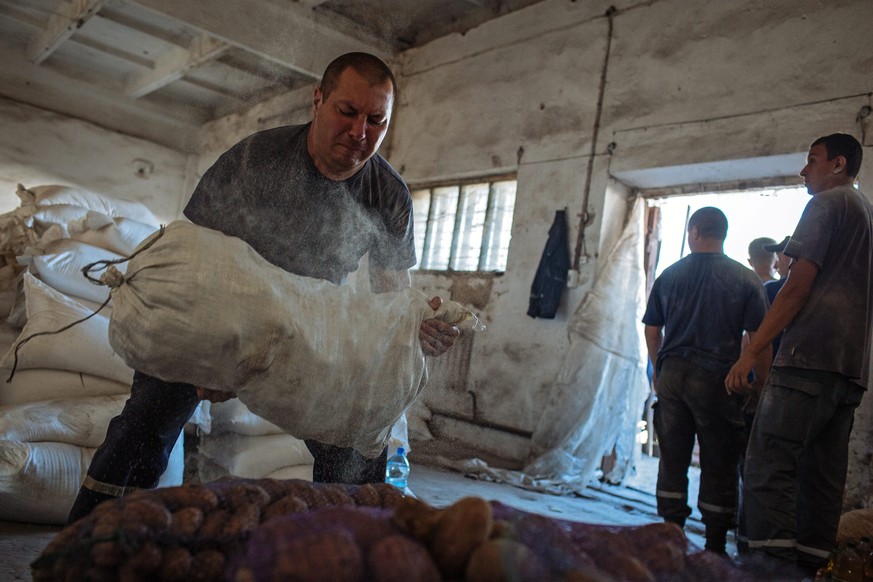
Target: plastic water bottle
point(397, 470)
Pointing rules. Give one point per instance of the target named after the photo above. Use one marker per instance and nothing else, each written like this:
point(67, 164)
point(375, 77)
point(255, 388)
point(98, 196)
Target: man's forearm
point(762, 361)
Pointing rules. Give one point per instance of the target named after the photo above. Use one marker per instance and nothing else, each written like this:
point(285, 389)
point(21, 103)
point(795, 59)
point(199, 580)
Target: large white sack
point(61, 267)
point(252, 457)
point(52, 195)
point(39, 481)
point(303, 472)
point(318, 360)
point(45, 384)
point(82, 348)
point(76, 421)
point(63, 221)
point(122, 236)
point(234, 416)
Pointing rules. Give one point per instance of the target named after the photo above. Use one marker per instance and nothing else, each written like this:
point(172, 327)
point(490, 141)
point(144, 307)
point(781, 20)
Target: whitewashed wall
point(38, 147)
point(708, 87)
point(694, 92)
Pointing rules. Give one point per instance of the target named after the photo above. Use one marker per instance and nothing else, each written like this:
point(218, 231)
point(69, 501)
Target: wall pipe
point(585, 217)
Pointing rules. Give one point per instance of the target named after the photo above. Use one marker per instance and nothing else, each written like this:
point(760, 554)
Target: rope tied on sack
point(112, 278)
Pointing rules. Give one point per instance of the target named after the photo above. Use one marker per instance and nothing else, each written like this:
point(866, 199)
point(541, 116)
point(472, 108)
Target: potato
point(306, 492)
point(107, 554)
point(504, 561)
point(186, 521)
point(213, 525)
point(147, 558)
point(107, 523)
point(663, 558)
point(416, 518)
point(176, 498)
point(459, 530)
point(239, 494)
point(329, 556)
point(175, 563)
point(285, 506)
point(207, 566)
point(367, 495)
point(243, 521)
point(148, 511)
point(336, 495)
point(100, 574)
point(397, 558)
point(626, 568)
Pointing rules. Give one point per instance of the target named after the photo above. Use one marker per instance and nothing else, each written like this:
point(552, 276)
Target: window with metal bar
point(464, 227)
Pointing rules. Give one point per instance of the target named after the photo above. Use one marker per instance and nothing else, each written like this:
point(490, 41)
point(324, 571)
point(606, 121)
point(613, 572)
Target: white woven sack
point(119, 235)
point(234, 416)
point(318, 360)
point(44, 384)
point(70, 220)
point(82, 348)
point(253, 457)
point(122, 236)
point(302, 472)
point(61, 267)
point(39, 481)
point(75, 421)
point(52, 195)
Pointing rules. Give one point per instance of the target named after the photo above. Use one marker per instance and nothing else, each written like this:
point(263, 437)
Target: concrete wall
point(38, 147)
point(695, 92)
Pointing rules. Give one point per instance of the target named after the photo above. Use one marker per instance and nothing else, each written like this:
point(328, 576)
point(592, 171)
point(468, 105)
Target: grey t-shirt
point(267, 191)
point(704, 302)
point(832, 331)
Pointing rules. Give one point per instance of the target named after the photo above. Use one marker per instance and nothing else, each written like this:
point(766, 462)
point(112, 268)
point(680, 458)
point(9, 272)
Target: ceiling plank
point(291, 35)
point(38, 86)
point(67, 19)
point(173, 65)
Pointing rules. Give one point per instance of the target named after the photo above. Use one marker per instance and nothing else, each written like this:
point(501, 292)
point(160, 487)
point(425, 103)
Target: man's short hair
point(757, 252)
point(843, 144)
point(371, 67)
point(710, 222)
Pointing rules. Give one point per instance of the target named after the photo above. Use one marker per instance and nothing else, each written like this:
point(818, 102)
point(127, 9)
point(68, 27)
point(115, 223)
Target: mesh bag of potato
point(259, 530)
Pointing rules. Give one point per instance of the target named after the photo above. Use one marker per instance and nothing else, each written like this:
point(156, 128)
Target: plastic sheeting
point(601, 391)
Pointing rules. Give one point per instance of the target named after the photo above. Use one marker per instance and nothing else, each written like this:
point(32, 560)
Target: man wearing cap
point(797, 457)
point(783, 262)
point(762, 261)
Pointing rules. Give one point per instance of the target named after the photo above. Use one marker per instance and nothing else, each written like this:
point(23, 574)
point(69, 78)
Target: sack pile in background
point(66, 387)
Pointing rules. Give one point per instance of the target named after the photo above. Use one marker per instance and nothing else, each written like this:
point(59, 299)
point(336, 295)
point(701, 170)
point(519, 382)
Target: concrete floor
point(633, 504)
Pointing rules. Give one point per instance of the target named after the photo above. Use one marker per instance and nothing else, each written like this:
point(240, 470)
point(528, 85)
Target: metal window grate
point(464, 227)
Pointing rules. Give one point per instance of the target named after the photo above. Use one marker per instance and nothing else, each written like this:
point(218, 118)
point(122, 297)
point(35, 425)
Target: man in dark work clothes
point(695, 318)
point(311, 199)
point(797, 457)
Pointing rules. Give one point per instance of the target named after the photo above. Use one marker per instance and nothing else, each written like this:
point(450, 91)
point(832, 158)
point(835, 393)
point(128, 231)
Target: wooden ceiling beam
point(21, 80)
point(173, 65)
point(293, 36)
point(67, 18)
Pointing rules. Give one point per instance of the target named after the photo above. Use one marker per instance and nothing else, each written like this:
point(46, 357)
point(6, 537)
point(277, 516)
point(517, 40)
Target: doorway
point(752, 213)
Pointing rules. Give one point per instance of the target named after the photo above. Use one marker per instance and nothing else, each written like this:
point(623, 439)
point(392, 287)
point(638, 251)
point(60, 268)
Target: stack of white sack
point(320, 361)
point(240, 443)
point(66, 386)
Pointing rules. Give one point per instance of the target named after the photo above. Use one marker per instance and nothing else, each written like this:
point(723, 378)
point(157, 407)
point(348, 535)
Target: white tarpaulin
point(598, 399)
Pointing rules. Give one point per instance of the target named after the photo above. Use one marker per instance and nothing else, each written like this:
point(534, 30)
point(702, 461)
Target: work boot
point(716, 540)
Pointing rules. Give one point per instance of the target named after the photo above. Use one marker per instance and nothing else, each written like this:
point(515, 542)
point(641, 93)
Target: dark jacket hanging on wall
point(551, 277)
